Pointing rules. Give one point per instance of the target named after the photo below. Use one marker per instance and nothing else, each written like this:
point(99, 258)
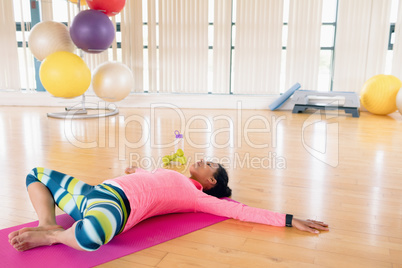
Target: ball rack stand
point(81, 112)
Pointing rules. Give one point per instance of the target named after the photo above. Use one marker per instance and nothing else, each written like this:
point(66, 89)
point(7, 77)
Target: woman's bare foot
point(28, 238)
point(32, 229)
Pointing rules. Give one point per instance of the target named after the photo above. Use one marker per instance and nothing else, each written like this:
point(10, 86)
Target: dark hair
point(221, 188)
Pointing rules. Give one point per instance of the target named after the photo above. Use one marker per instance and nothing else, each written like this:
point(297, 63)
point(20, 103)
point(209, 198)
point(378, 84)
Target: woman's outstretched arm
point(235, 210)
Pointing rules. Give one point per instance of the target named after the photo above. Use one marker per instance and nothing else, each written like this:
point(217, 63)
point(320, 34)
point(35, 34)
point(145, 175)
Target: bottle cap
point(178, 135)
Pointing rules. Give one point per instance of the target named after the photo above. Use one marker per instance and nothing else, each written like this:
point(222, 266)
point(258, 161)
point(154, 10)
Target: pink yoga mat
point(148, 233)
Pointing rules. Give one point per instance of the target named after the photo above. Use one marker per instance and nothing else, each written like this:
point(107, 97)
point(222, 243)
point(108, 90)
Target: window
point(62, 11)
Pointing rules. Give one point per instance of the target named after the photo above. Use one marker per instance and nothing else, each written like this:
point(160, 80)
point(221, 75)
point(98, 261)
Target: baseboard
point(143, 100)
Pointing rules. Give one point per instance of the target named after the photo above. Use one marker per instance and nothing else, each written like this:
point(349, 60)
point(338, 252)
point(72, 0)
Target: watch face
point(289, 219)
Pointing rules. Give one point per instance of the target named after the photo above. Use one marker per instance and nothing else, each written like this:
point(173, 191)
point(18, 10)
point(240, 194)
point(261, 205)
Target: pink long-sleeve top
point(166, 191)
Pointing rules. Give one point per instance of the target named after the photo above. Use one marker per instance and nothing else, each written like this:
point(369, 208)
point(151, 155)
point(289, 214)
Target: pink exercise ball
point(48, 37)
point(112, 81)
point(109, 7)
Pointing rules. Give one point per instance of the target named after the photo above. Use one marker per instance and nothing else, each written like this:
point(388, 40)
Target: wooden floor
point(342, 170)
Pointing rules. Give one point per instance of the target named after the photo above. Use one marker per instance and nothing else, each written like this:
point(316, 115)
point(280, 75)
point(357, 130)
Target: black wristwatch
point(289, 218)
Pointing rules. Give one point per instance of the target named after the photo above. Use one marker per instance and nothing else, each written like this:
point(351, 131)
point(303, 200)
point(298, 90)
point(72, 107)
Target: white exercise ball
point(399, 101)
point(112, 81)
point(48, 37)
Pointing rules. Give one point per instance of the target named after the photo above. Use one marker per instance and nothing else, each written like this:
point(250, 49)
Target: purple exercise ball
point(92, 31)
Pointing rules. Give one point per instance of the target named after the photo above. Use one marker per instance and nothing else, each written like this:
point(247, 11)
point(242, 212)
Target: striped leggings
point(101, 211)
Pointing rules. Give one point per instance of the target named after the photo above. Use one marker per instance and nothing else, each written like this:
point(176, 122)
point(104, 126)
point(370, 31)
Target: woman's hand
point(309, 225)
point(130, 170)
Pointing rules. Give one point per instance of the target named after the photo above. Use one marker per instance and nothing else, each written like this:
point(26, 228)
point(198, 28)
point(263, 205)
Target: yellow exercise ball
point(378, 94)
point(65, 75)
point(82, 3)
point(48, 37)
point(112, 81)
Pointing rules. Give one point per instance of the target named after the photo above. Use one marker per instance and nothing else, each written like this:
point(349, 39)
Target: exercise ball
point(109, 7)
point(82, 3)
point(399, 101)
point(64, 74)
point(112, 81)
point(92, 31)
point(378, 94)
point(48, 37)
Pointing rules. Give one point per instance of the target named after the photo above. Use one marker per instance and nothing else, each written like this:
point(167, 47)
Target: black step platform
point(300, 108)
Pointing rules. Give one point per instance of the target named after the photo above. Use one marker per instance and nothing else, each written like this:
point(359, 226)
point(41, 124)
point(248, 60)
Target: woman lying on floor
point(114, 206)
